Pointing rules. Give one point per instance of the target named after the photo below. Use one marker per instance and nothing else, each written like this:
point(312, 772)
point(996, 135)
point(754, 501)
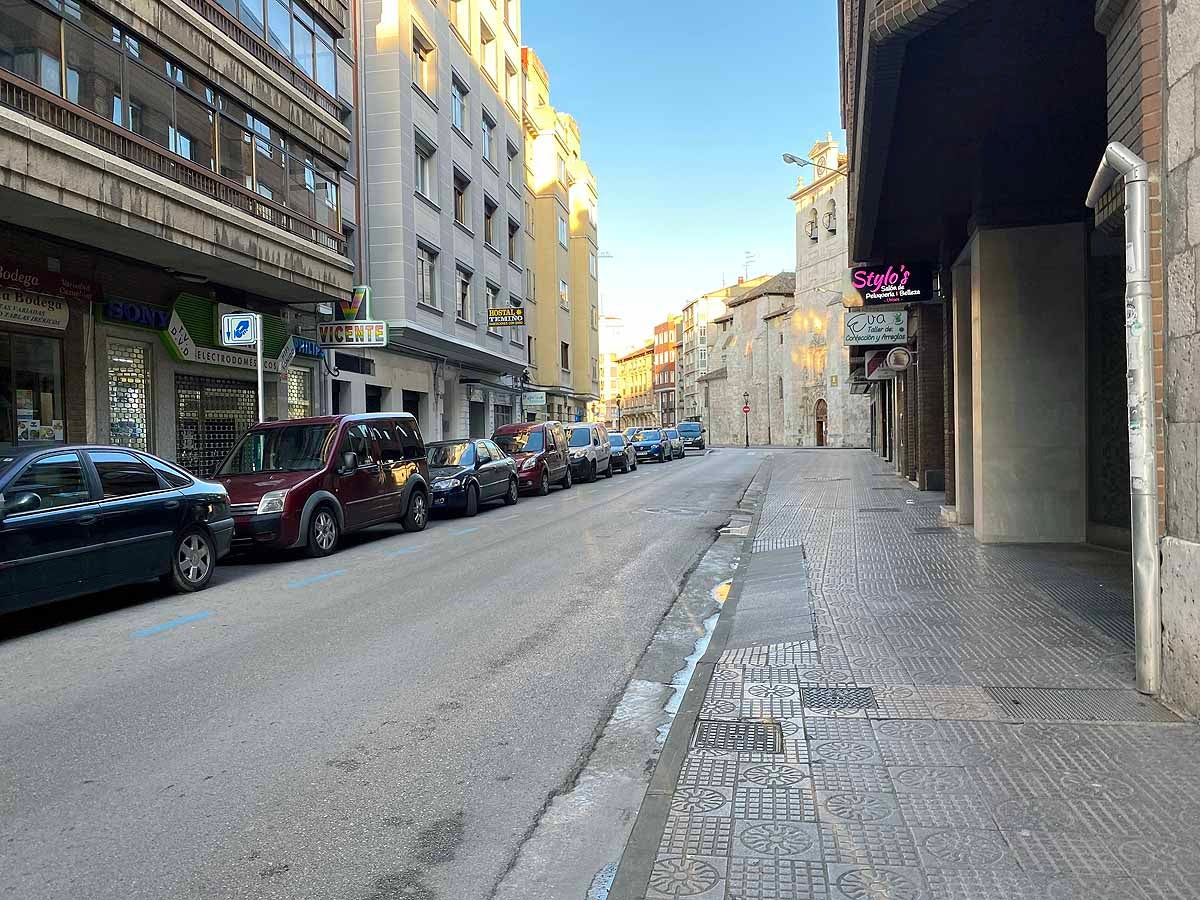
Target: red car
point(306, 482)
point(540, 451)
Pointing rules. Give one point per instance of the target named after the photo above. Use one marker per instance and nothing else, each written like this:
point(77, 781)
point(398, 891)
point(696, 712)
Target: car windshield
point(461, 453)
point(689, 429)
point(580, 437)
point(521, 442)
point(290, 448)
point(616, 440)
point(672, 433)
point(652, 435)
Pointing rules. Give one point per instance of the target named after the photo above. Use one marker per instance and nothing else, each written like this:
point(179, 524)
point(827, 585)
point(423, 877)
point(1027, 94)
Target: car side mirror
point(23, 502)
point(349, 462)
point(479, 463)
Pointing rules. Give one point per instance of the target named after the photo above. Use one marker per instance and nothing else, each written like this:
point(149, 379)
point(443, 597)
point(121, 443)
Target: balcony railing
point(20, 95)
point(258, 48)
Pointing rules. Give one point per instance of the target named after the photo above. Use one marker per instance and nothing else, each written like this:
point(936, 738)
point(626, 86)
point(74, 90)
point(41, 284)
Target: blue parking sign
point(239, 330)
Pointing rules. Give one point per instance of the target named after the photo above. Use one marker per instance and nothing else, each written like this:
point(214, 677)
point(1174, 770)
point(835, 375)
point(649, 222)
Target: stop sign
point(746, 410)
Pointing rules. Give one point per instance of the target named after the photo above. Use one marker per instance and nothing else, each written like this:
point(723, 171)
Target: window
point(489, 138)
point(426, 180)
point(562, 171)
point(424, 64)
point(31, 45)
point(492, 292)
point(529, 349)
point(279, 26)
point(150, 105)
point(462, 291)
point(460, 18)
point(123, 474)
point(358, 441)
point(487, 51)
point(56, 481)
point(779, 385)
point(458, 105)
point(510, 12)
point(562, 231)
point(530, 285)
point(514, 168)
point(514, 241)
point(564, 353)
point(595, 369)
point(31, 393)
point(427, 277)
point(94, 75)
point(512, 84)
point(529, 217)
point(410, 439)
point(564, 294)
point(489, 221)
point(299, 392)
point(129, 395)
point(592, 264)
point(461, 212)
point(168, 473)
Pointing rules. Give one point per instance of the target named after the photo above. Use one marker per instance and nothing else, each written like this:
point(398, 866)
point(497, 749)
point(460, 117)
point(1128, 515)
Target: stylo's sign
point(882, 285)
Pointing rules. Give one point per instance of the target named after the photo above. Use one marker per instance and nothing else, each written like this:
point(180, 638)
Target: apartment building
point(562, 276)
point(443, 151)
point(166, 162)
point(636, 399)
point(665, 354)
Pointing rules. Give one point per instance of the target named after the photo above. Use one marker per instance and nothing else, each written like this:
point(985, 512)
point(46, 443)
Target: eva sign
point(239, 329)
point(887, 283)
point(884, 327)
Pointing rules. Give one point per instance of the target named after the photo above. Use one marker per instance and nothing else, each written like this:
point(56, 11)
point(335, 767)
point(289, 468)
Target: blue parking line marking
point(182, 620)
point(402, 551)
point(317, 579)
point(463, 531)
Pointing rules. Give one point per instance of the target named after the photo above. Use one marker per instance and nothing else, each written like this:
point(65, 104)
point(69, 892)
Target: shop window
point(32, 409)
point(123, 474)
point(211, 414)
point(129, 395)
point(299, 385)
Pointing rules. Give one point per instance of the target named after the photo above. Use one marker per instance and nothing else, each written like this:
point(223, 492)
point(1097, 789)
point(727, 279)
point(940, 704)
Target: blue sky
point(684, 110)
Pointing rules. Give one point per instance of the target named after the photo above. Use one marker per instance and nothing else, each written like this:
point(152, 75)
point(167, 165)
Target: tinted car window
point(387, 435)
point(672, 433)
point(171, 475)
point(458, 454)
point(291, 448)
point(616, 440)
point(410, 439)
point(123, 474)
point(358, 439)
point(521, 442)
point(653, 435)
point(580, 437)
point(496, 452)
point(57, 481)
point(689, 429)
point(481, 451)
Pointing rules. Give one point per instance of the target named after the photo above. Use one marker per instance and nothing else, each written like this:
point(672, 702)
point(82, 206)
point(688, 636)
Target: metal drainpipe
point(1120, 161)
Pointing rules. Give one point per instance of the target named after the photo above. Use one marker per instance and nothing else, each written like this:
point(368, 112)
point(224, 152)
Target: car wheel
point(417, 515)
point(567, 480)
point(192, 563)
point(544, 484)
point(591, 473)
point(514, 492)
point(472, 507)
point(633, 466)
point(608, 473)
point(323, 532)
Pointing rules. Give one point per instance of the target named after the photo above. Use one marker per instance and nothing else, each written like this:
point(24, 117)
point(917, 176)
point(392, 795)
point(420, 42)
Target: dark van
point(540, 451)
point(306, 482)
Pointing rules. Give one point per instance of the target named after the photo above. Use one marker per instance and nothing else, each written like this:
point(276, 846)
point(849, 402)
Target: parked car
point(676, 442)
point(652, 444)
point(540, 451)
point(692, 434)
point(624, 457)
point(630, 432)
point(591, 456)
point(306, 482)
point(466, 473)
point(79, 519)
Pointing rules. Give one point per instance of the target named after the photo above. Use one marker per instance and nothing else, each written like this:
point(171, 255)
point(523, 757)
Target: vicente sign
point(356, 334)
point(885, 327)
point(886, 284)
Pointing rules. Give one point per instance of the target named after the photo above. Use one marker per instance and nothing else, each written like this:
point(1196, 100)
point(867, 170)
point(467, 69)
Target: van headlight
point(529, 464)
point(271, 502)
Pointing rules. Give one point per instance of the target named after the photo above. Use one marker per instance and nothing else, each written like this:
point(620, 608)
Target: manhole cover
point(1080, 704)
point(839, 698)
point(750, 737)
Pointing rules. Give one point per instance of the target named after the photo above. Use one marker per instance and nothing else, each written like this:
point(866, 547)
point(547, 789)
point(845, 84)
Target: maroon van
point(540, 449)
point(306, 482)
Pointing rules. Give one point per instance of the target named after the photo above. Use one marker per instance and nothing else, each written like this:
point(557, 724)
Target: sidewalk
point(891, 711)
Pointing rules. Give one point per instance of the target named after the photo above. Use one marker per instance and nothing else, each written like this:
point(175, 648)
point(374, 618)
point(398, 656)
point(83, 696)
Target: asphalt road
point(385, 723)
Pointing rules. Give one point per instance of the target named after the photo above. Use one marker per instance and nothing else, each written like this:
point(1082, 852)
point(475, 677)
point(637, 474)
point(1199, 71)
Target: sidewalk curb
point(641, 850)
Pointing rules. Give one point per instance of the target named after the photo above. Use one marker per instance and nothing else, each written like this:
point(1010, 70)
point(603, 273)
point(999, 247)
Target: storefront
point(42, 313)
point(167, 386)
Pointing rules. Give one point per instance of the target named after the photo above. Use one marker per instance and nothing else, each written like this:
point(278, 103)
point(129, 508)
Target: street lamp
point(746, 415)
point(800, 161)
point(618, 399)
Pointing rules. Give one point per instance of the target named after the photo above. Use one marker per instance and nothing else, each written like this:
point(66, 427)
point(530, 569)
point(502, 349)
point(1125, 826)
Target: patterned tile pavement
point(963, 726)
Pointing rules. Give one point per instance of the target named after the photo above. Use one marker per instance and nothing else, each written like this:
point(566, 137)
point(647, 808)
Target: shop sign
point(883, 285)
point(534, 398)
point(357, 308)
point(890, 327)
point(142, 315)
point(179, 342)
point(356, 334)
point(22, 278)
point(307, 347)
point(25, 308)
point(876, 366)
point(506, 315)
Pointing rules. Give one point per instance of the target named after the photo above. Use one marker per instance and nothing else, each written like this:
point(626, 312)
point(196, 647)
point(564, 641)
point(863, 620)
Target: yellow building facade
point(636, 377)
point(562, 278)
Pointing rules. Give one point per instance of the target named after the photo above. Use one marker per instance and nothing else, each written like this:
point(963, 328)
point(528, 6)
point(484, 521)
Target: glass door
point(31, 390)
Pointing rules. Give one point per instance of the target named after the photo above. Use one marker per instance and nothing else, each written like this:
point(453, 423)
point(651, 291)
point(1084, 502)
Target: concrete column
point(964, 457)
point(1029, 382)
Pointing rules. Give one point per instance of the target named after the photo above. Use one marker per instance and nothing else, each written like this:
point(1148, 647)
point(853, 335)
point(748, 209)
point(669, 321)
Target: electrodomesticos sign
point(886, 284)
point(352, 334)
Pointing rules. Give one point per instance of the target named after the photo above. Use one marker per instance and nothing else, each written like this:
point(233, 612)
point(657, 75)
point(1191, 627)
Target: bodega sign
point(888, 283)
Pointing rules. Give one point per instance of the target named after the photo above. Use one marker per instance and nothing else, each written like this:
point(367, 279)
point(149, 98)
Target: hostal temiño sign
point(888, 283)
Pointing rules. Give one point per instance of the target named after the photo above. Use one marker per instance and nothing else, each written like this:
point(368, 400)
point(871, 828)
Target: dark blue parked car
point(468, 472)
point(652, 444)
point(79, 519)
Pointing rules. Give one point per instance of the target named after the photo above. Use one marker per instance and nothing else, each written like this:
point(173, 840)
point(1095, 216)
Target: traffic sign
point(746, 410)
point(239, 329)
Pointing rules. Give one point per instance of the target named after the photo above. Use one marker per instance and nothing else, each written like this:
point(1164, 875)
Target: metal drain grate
point(880, 509)
point(1072, 704)
point(749, 737)
point(935, 529)
point(839, 698)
